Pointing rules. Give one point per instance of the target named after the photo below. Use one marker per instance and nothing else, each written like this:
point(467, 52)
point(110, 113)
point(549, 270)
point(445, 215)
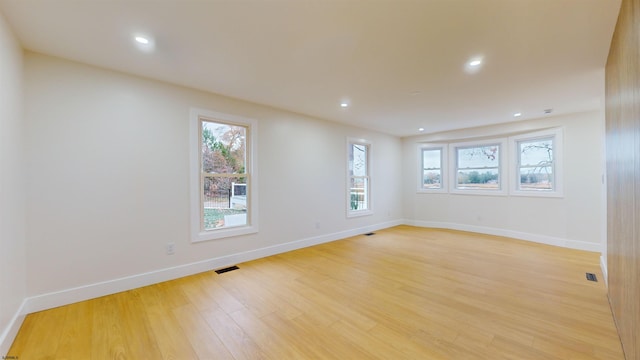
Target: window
point(432, 177)
point(531, 166)
point(478, 167)
point(223, 196)
point(358, 182)
point(537, 170)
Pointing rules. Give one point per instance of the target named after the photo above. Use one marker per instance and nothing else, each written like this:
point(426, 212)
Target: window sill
point(223, 233)
point(352, 214)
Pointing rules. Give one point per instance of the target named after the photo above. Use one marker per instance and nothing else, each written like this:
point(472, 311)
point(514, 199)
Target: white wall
point(12, 234)
point(572, 221)
point(106, 163)
point(108, 177)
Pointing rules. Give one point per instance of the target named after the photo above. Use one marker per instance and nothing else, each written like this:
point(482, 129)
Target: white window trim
point(444, 178)
point(369, 209)
point(197, 234)
point(502, 167)
point(558, 156)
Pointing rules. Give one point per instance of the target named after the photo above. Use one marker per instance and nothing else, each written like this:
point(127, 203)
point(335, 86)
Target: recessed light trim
point(474, 64)
point(141, 40)
point(144, 42)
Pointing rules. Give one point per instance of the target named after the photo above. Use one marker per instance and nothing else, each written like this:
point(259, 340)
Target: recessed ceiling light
point(474, 64)
point(344, 104)
point(517, 114)
point(548, 111)
point(142, 40)
point(421, 129)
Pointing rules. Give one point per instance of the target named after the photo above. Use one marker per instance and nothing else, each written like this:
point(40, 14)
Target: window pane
point(431, 179)
point(535, 164)
point(478, 157)
point(536, 178)
point(536, 152)
point(224, 202)
point(358, 193)
point(431, 168)
point(358, 160)
point(478, 179)
point(223, 148)
point(431, 159)
point(478, 167)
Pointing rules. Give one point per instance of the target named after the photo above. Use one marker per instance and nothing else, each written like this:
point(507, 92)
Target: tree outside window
point(358, 185)
point(223, 176)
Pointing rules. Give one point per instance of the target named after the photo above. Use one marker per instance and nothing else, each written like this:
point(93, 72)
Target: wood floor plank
point(136, 326)
point(273, 344)
point(203, 339)
point(76, 335)
point(173, 344)
point(43, 325)
point(403, 293)
point(239, 344)
point(108, 340)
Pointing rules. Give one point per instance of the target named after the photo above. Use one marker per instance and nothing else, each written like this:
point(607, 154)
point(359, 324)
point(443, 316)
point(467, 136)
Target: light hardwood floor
point(404, 293)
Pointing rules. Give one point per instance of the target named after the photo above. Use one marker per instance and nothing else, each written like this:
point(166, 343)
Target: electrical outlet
point(171, 248)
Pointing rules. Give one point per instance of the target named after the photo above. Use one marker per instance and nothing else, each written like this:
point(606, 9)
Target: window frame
point(502, 167)
point(444, 178)
point(557, 134)
point(369, 210)
point(198, 233)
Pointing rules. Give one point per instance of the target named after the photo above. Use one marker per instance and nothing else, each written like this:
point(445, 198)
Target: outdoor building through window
point(358, 180)
point(224, 176)
point(223, 194)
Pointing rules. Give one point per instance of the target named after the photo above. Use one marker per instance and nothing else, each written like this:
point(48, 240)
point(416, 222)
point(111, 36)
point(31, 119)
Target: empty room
point(319, 179)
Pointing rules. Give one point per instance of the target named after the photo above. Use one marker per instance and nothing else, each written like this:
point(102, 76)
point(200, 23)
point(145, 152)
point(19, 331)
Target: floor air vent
point(369, 234)
point(230, 268)
point(592, 277)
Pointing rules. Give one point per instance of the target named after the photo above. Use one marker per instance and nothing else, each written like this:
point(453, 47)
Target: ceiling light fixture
point(421, 129)
point(344, 105)
point(474, 64)
point(517, 114)
point(142, 40)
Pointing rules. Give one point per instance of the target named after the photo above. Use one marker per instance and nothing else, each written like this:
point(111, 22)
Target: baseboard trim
point(603, 266)
point(10, 332)
point(86, 292)
point(548, 240)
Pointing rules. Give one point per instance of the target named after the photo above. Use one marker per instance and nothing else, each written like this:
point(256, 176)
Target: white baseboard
point(603, 266)
point(86, 292)
point(81, 293)
point(10, 332)
point(549, 240)
point(91, 291)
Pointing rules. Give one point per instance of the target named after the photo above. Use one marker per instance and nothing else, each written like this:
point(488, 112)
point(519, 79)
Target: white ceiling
point(399, 63)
